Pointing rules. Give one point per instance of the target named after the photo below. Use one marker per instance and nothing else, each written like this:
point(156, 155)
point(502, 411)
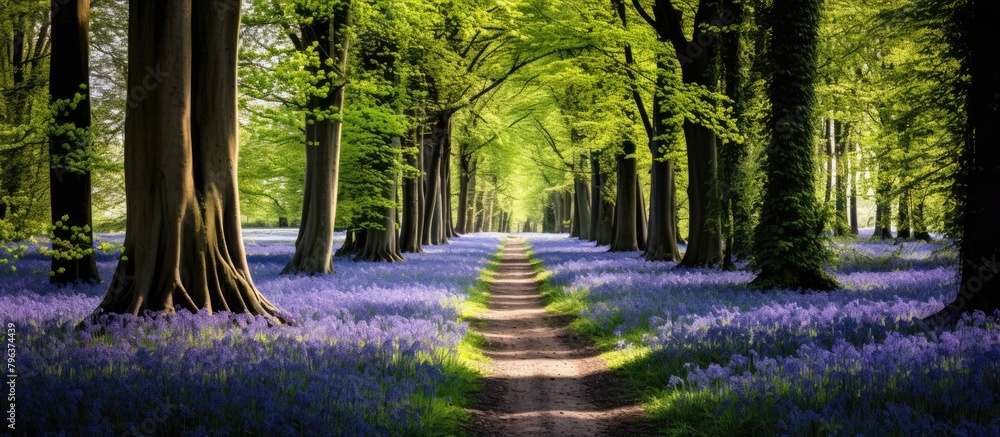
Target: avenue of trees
point(745, 132)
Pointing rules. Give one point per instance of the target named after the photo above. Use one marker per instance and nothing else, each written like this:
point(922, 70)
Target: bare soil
point(544, 380)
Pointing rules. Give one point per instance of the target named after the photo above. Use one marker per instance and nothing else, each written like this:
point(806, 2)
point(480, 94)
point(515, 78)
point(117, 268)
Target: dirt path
point(544, 379)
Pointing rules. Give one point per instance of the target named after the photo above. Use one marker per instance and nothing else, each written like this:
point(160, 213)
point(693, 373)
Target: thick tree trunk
point(903, 225)
point(626, 206)
point(314, 244)
point(574, 226)
point(662, 242)
point(978, 179)
point(705, 237)
point(883, 213)
point(789, 243)
point(582, 213)
point(434, 220)
point(354, 241)
point(382, 244)
point(409, 232)
point(69, 179)
point(183, 244)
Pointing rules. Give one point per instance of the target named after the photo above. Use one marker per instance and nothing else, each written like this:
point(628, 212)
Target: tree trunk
point(840, 219)
point(184, 244)
point(605, 228)
point(582, 213)
point(919, 225)
point(314, 244)
point(978, 180)
point(434, 220)
point(705, 236)
point(903, 226)
point(829, 169)
point(662, 242)
point(382, 244)
point(574, 226)
point(464, 181)
point(625, 236)
point(883, 211)
point(595, 194)
point(855, 180)
point(409, 232)
point(641, 223)
point(789, 243)
point(470, 211)
point(69, 173)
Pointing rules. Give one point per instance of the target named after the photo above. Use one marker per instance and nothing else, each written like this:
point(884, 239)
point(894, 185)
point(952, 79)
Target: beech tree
point(69, 145)
point(183, 245)
point(789, 245)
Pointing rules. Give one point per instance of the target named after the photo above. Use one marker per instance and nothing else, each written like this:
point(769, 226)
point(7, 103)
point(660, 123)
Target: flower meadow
point(710, 357)
point(376, 352)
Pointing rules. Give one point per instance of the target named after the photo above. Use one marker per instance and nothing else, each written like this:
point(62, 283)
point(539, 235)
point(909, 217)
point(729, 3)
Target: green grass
point(445, 412)
point(646, 372)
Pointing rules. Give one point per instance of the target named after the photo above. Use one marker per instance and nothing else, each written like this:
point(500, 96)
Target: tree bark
point(410, 228)
point(789, 243)
point(582, 213)
point(855, 179)
point(605, 228)
point(625, 234)
point(903, 225)
point(314, 244)
point(183, 244)
point(434, 220)
point(383, 244)
point(978, 179)
point(919, 225)
point(705, 233)
point(69, 146)
point(840, 218)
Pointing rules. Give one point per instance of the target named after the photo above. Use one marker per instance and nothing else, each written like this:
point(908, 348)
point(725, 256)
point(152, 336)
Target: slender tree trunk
point(470, 211)
point(606, 228)
point(919, 225)
point(314, 244)
point(840, 218)
point(789, 243)
point(69, 148)
point(184, 243)
point(595, 194)
point(855, 180)
point(641, 223)
point(829, 169)
point(464, 181)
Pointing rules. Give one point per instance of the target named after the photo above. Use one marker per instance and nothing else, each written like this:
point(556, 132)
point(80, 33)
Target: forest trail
point(544, 379)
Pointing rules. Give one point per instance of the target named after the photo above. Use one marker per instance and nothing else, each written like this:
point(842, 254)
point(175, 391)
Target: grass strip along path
point(543, 378)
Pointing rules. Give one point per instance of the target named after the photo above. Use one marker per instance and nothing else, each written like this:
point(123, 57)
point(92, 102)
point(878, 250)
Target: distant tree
point(789, 244)
point(69, 145)
point(184, 244)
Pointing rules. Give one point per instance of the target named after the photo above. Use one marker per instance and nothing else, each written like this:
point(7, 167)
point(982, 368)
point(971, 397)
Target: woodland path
point(544, 379)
